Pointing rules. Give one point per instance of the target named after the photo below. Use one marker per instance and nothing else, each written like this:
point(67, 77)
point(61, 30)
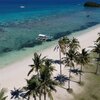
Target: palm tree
point(62, 44)
point(82, 59)
point(98, 39)
point(37, 62)
point(48, 84)
point(32, 88)
point(71, 53)
point(37, 65)
point(49, 87)
point(74, 44)
point(2, 94)
point(69, 61)
point(97, 51)
point(42, 85)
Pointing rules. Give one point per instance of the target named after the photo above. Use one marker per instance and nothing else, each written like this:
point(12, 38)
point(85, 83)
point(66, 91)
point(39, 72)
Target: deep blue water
point(13, 5)
point(19, 27)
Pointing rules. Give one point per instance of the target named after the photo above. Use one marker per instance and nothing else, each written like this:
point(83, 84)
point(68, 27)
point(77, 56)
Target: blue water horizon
point(7, 6)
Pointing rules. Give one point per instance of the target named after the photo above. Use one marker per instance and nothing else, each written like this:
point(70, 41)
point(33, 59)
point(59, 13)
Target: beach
point(14, 75)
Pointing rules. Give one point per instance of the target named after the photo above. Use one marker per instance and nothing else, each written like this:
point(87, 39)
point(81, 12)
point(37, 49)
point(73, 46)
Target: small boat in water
point(22, 6)
point(43, 37)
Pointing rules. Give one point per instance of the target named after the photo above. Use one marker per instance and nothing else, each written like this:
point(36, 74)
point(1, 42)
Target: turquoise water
point(19, 28)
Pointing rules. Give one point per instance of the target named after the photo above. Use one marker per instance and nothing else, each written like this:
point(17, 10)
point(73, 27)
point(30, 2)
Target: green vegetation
point(2, 94)
point(40, 83)
point(96, 50)
point(91, 89)
point(92, 74)
point(82, 59)
point(37, 63)
point(69, 48)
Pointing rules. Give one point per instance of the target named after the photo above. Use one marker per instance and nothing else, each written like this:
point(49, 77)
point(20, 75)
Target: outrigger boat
point(43, 37)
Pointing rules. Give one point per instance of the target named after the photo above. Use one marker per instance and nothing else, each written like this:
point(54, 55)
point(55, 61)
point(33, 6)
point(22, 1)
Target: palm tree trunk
point(34, 97)
point(28, 98)
point(60, 65)
point(44, 96)
point(97, 68)
point(60, 61)
point(69, 78)
point(40, 96)
point(44, 93)
point(80, 78)
point(97, 64)
point(38, 74)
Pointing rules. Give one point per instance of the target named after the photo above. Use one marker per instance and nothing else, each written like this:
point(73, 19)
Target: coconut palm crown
point(32, 88)
point(74, 44)
point(48, 84)
point(37, 62)
point(82, 59)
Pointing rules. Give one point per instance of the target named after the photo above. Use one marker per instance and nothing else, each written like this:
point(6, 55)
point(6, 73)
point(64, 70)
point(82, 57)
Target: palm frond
point(30, 72)
point(2, 94)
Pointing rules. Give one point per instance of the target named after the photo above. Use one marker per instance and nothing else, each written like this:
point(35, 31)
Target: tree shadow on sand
point(17, 94)
point(76, 71)
point(61, 78)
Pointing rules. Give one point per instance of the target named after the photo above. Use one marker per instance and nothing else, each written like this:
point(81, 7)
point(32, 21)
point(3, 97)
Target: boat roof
point(41, 35)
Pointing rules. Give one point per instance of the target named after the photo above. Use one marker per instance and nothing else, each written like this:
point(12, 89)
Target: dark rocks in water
point(91, 4)
point(61, 34)
point(8, 24)
point(83, 27)
point(6, 50)
point(49, 40)
point(80, 28)
point(2, 29)
point(92, 23)
point(87, 16)
point(88, 24)
point(31, 43)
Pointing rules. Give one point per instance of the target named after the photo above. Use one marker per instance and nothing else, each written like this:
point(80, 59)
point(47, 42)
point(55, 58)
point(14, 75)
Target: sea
point(21, 21)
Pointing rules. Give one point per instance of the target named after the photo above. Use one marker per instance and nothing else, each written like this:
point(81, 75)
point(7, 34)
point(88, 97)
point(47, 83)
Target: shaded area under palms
point(61, 78)
point(17, 93)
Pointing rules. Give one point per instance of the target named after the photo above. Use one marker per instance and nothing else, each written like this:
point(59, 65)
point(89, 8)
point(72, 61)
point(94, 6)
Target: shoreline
point(14, 75)
point(17, 56)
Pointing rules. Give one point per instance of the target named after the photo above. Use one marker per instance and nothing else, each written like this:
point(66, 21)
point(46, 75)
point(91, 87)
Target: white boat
point(44, 37)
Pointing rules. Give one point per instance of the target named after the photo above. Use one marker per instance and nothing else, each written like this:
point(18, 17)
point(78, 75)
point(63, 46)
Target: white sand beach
point(15, 74)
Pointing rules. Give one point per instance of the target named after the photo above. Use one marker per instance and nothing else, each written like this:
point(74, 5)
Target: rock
point(2, 29)
point(61, 34)
point(91, 4)
point(6, 49)
point(30, 43)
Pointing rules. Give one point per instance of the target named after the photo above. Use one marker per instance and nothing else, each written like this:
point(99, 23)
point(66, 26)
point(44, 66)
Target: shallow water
point(20, 27)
